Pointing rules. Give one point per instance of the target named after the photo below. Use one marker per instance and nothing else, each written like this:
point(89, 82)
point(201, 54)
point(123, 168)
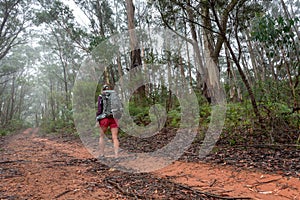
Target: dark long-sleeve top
point(99, 111)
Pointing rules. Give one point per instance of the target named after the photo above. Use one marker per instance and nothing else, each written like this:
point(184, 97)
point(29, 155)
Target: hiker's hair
point(106, 87)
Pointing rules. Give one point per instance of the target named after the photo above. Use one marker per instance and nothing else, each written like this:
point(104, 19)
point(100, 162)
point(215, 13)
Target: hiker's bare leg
point(101, 141)
point(114, 133)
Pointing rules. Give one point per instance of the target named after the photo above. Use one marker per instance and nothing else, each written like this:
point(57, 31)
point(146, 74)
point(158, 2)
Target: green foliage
point(278, 108)
point(14, 125)
point(103, 50)
point(204, 111)
point(280, 115)
point(95, 41)
point(281, 124)
point(140, 114)
point(174, 117)
point(239, 119)
point(54, 11)
point(58, 126)
point(3, 132)
point(274, 32)
point(278, 92)
point(238, 114)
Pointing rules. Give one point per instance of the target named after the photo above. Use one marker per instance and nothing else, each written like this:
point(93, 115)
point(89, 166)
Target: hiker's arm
point(99, 111)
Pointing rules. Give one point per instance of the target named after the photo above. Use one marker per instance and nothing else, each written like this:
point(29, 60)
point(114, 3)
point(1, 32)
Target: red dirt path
point(30, 168)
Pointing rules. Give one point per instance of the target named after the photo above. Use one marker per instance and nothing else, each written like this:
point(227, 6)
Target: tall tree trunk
point(52, 102)
point(297, 76)
point(245, 81)
point(135, 54)
point(290, 78)
point(21, 102)
point(252, 56)
point(202, 71)
point(234, 87)
point(170, 82)
point(120, 72)
point(13, 98)
point(222, 33)
point(211, 53)
point(66, 90)
point(100, 19)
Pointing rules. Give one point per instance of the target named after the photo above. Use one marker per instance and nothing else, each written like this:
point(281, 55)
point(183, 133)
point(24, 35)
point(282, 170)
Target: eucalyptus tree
point(213, 24)
point(16, 86)
point(239, 11)
point(103, 22)
point(63, 44)
point(57, 14)
point(61, 60)
point(16, 60)
point(177, 14)
point(15, 18)
point(278, 39)
point(100, 16)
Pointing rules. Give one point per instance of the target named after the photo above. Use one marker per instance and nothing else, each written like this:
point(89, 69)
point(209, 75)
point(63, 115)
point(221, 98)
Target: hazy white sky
point(80, 16)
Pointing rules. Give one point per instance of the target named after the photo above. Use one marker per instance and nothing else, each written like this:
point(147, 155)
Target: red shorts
point(109, 122)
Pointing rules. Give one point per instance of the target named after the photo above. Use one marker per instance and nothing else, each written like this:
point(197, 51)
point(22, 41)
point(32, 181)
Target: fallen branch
point(211, 194)
point(274, 146)
point(213, 182)
point(12, 161)
point(261, 183)
point(61, 194)
point(11, 176)
point(117, 185)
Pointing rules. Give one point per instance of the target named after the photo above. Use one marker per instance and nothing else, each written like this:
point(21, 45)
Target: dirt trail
point(233, 182)
point(35, 167)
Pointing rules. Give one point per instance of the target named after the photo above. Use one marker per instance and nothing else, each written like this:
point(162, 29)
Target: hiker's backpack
point(111, 104)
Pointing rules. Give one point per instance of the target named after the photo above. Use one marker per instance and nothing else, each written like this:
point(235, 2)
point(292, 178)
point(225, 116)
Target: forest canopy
point(247, 49)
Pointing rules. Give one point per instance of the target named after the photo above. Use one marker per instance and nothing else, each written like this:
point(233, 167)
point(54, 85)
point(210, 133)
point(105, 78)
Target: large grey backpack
point(111, 104)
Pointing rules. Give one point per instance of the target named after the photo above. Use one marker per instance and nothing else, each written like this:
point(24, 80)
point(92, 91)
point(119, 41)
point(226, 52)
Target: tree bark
point(135, 54)
point(222, 32)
